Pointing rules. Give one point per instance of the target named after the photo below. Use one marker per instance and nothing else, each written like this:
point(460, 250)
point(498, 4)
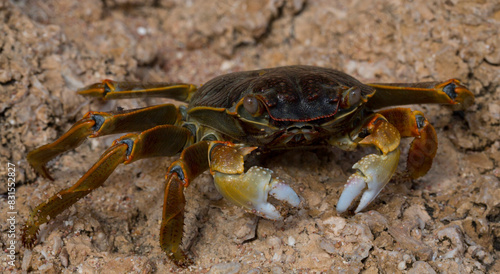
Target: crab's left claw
point(249, 189)
point(373, 172)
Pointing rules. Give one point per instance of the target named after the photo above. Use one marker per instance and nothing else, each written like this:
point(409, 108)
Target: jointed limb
point(225, 161)
point(424, 147)
point(193, 162)
point(451, 92)
point(109, 89)
point(129, 148)
point(95, 124)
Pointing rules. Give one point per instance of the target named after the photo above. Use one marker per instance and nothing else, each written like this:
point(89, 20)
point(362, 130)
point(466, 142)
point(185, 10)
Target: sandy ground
point(447, 221)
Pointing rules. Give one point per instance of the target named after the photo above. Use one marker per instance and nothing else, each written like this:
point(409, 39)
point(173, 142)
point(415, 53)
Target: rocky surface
point(447, 221)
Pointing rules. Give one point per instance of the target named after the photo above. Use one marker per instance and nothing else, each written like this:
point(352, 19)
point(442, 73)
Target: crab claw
point(373, 172)
point(251, 189)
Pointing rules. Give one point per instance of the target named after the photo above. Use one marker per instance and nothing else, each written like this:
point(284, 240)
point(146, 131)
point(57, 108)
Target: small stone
point(26, 260)
point(57, 245)
point(453, 234)
point(402, 265)
point(64, 257)
point(274, 242)
point(328, 246)
point(276, 270)
point(226, 268)
point(335, 224)
point(421, 267)
point(480, 161)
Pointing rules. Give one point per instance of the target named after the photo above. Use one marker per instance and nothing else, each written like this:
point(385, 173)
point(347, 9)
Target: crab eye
point(354, 96)
point(351, 97)
point(252, 105)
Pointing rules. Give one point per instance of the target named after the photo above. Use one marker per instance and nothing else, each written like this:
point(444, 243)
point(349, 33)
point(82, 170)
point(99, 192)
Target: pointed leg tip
point(47, 175)
point(185, 262)
point(42, 171)
point(29, 237)
point(180, 259)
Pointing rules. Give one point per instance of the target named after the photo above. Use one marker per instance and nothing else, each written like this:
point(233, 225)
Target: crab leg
point(225, 159)
point(451, 92)
point(193, 162)
point(423, 148)
point(127, 149)
point(95, 124)
point(110, 89)
point(373, 171)
point(247, 189)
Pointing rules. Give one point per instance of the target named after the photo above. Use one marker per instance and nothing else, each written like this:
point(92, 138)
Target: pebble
point(26, 260)
point(421, 267)
point(226, 268)
point(454, 234)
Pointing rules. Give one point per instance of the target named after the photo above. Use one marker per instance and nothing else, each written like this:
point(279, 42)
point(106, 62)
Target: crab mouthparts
point(299, 134)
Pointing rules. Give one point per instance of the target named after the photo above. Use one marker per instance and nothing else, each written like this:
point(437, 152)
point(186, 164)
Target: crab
point(234, 114)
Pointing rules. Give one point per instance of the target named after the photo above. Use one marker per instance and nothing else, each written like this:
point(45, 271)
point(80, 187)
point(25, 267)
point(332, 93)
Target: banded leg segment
point(424, 147)
point(247, 189)
point(129, 148)
point(110, 89)
point(373, 171)
point(193, 162)
point(451, 92)
point(95, 124)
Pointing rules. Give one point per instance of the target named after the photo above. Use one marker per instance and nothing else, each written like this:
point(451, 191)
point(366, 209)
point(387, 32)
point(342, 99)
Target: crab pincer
point(249, 189)
point(373, 172)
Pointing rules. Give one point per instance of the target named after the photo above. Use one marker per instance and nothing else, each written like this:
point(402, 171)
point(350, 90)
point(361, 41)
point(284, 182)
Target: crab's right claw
point(249, 189)
point(373, 173)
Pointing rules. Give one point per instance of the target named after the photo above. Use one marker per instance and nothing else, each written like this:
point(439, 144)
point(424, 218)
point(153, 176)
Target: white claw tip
point(353, 188)
point(268, 211)
point(283, 192)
